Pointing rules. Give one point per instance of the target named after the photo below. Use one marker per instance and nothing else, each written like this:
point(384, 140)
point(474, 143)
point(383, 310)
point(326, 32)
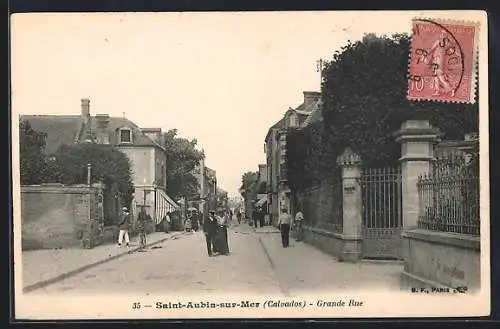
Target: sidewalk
point(305, 269)
point(42, 267)
point(266, 229)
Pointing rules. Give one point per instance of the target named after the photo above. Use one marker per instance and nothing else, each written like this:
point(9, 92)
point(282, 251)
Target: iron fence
point(381, 197)
point(449, 195)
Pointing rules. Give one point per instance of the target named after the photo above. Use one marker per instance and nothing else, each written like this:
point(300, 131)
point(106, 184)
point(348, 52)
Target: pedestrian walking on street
point(188, 226)
point(194, 220)
point(124, 225)
point(299, 219)
point(284, 225)
point(255, 218)
point(261, 217)
point(238, 217)
point(210, 231)
point(221, 239)
point(166, 222)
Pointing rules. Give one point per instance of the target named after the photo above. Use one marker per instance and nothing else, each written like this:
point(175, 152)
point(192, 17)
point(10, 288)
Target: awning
point(261, 201)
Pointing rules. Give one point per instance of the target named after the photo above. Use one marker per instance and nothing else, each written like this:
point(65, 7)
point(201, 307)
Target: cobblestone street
point(257, 265)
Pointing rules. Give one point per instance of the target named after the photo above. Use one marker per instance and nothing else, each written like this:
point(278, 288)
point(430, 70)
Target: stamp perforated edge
point(475, 59)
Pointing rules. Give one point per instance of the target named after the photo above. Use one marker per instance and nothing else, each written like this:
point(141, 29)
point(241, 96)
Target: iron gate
point(382, 213)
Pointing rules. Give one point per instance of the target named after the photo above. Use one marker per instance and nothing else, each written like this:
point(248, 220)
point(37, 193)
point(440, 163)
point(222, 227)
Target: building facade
point(207, 188)
point(278, 191)
point(143, 147)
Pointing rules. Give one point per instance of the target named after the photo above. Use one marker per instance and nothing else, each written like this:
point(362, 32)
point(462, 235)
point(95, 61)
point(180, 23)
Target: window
point(293, 120)
point(103, 138)
point(125, 135)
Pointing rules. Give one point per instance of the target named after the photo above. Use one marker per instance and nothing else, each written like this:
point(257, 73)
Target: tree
point(32, 156)
point(182, 159)
point(364, 102)
point(108, 165)
point(249, 185)
point(262, 188)
point(222, 198)
point(364, 94)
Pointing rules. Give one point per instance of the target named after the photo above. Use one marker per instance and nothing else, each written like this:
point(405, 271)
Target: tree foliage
point(262, 188)
point(222, 198)
point(182, 159)
point(249, 185)
point(364, 92)
point(69, 163)
point(33, 167)
point(108, 165)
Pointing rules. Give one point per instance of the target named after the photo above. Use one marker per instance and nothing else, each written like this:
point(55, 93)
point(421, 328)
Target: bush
point(109, 165)
point(33, 168)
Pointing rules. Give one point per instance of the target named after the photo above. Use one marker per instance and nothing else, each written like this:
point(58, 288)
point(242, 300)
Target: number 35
point(136, 305)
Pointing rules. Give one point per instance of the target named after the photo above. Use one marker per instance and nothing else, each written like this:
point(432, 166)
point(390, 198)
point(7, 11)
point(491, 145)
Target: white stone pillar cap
point(348, 158)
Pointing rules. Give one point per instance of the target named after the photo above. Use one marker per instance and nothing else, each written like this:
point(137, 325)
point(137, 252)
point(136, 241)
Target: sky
point(222, 78)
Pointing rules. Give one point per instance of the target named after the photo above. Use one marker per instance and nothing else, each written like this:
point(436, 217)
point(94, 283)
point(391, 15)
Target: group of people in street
point(192, 221)
point(215, 229)
point(258, 217)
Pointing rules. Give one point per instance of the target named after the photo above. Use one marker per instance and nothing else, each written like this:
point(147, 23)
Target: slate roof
point(315, 116)
point(305, 117)
point(59, 129)
point(115, 123)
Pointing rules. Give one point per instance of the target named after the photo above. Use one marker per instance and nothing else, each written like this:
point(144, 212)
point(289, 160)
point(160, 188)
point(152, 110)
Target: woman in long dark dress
point(221, 240)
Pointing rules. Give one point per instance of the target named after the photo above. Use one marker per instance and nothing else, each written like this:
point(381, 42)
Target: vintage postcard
point(250, 165)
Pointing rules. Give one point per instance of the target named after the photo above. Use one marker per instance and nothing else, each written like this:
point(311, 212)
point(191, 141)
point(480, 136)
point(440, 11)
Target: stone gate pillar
point(417, 138)
point(352, 237)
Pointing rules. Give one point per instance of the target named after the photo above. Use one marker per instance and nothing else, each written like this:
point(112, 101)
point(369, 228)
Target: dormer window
point(125, 136)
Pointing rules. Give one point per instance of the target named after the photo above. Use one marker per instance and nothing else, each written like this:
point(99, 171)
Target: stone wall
point(53, 216)
point(325, 240)
point(57, 216)
point(441, 260)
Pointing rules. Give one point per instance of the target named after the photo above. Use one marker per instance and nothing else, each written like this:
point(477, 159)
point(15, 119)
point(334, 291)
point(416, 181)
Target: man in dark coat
point(255, 217)
point(261, 217)
point(210, 231)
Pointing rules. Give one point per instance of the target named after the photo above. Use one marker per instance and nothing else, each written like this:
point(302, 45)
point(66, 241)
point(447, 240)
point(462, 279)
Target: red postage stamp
point(443, 61)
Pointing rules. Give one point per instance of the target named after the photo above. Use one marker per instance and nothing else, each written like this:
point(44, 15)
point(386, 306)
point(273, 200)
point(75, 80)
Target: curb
point(63, 276)
point(281, 286)
point(274, 230)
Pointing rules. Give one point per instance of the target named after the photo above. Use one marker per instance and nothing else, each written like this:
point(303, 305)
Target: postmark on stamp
point(443, 61)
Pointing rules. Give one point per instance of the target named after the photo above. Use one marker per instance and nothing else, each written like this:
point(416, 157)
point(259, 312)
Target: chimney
point(153, 133)
point(102, 122)
point(311, 98)
point(85, 105)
